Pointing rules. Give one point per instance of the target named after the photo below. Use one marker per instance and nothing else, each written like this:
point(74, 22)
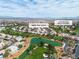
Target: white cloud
point(39, 8)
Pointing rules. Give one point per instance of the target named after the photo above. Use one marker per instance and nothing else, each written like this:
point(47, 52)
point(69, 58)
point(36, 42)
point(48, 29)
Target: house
point(19, 38)
point(1, 45)
point(8, 37)
point(1, 28)
point(1, 56)
point(2, 51)
point(13, 49)
point(2, 35)
point(65, 57)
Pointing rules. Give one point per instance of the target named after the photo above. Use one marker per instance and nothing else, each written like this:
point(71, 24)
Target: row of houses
point(41, 31)
point(20, 28)
point(7, 40)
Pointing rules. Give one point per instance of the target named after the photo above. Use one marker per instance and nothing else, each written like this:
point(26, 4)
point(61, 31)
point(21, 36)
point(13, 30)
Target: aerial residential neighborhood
point(39, 29)
point(19, 40)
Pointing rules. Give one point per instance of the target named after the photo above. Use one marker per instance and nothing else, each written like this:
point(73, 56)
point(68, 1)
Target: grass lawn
point(58, 38)
point(77, 30)
point(37, 53)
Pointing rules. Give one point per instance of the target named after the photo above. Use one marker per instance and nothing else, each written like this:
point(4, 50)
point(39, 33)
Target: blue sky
point(39, 8)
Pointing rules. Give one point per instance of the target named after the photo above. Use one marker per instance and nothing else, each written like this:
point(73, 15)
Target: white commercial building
point(38, 25)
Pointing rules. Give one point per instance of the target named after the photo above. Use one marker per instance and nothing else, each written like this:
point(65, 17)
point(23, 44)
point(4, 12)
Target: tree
point(51, 50)
point(6, 53)
point(20, 46)
point(41, 44)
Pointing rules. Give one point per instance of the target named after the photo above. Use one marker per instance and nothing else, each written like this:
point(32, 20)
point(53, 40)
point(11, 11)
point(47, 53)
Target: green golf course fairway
point(37, 54)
